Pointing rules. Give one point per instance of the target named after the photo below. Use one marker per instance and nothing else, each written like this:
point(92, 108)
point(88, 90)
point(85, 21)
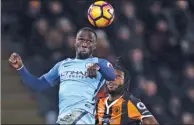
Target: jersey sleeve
point(106, 69)
point(137, 110)
point(53, 76)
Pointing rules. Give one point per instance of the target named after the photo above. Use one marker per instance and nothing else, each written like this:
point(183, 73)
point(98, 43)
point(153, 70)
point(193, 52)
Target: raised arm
point(106, 69)
point(150, 121)
point(38, 84)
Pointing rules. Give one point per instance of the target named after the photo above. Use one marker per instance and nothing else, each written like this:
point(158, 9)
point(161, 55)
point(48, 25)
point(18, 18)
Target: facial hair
point(83, 55)
point(118, 91)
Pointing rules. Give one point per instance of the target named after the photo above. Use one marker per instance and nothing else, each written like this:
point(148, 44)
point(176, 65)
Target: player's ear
point(75, 43)
point(94, 46)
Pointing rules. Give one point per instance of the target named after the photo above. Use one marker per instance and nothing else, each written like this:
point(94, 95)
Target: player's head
point(121, 82)
point(85, 42)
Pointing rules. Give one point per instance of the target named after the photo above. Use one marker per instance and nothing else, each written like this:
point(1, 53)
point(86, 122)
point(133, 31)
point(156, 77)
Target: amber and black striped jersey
point(125, 110)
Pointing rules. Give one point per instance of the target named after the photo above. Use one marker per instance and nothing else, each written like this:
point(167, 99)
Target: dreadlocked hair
point(120, 67)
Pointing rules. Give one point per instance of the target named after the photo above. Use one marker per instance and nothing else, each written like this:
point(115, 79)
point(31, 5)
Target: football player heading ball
point(80, 79)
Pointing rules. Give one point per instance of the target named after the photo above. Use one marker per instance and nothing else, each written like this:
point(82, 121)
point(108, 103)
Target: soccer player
point(120, 107)
point(80, 79)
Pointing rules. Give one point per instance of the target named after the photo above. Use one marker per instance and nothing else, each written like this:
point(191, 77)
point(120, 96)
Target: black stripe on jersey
point(110, 112)
point(104, 114)
point(97, 120)
point(124, 115)
point(107, 117)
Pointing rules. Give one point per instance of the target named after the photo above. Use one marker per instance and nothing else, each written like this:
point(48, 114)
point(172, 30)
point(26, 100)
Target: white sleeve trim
point(21, 67)
point(145, 116)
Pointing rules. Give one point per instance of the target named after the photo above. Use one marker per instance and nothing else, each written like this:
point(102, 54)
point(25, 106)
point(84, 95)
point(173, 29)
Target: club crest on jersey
point(89, 65)
point(141, 106)
point(116, 110)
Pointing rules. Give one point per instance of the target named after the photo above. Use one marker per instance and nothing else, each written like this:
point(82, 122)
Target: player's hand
point(92, 70)
point(16, 61)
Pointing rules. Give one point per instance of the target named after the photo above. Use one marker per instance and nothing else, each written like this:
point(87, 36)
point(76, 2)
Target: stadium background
point(156, 39)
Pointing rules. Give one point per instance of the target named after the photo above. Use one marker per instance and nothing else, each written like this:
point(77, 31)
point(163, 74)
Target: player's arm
point(30, 80)
point(106, 69)
point(149, 121)
point(137, 110)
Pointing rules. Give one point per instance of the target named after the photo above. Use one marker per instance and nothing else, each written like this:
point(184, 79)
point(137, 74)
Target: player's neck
point(114, 97)
point(78, 56)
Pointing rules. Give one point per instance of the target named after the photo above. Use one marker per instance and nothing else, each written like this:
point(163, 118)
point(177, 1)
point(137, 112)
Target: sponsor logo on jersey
point(116, 110)
point(107, 120)
point(74, 74)
point(66, 65)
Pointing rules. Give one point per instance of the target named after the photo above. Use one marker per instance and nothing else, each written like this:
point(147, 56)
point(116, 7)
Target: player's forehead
point(119, 73)
point(86, 34)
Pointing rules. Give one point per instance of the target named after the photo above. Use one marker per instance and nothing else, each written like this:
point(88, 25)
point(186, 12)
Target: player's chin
point(111, 90)
point(84, 55)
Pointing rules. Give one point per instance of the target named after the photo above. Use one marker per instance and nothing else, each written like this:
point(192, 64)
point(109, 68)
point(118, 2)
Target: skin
point(113, 86)
point(85, 45)
point(115, 91)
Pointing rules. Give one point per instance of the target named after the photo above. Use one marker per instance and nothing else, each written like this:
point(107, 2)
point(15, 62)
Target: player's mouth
point(84, 49)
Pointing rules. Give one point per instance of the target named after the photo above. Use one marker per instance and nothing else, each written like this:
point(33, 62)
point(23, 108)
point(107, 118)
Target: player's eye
point(80, 39)
point(119, 76)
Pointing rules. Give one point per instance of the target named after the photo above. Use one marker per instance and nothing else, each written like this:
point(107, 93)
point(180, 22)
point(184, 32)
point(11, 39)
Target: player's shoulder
point(66, 60)
point(136, 102)
point(129, 97)
point(101, 100)
point(104, 62)
point(101, 59)
point(63, 61)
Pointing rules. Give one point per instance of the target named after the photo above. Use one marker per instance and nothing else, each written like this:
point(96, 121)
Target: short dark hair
point(88, 29)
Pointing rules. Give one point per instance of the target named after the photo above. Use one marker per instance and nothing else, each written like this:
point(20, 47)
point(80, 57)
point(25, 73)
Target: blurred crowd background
point(155, 40)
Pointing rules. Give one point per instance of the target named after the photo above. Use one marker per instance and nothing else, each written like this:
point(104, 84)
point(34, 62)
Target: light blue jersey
point(77, 91)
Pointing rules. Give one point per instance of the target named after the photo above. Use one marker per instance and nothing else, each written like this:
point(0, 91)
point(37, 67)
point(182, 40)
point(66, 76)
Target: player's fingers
point(18, 58)
point(93, 73)
point(15, 55)
point(11, 57)
point(11, 60)
point(14, 58)
point(89, 72)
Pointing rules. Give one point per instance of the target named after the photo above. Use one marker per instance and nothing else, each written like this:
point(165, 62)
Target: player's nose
point(110, 83)
point(84, 44)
